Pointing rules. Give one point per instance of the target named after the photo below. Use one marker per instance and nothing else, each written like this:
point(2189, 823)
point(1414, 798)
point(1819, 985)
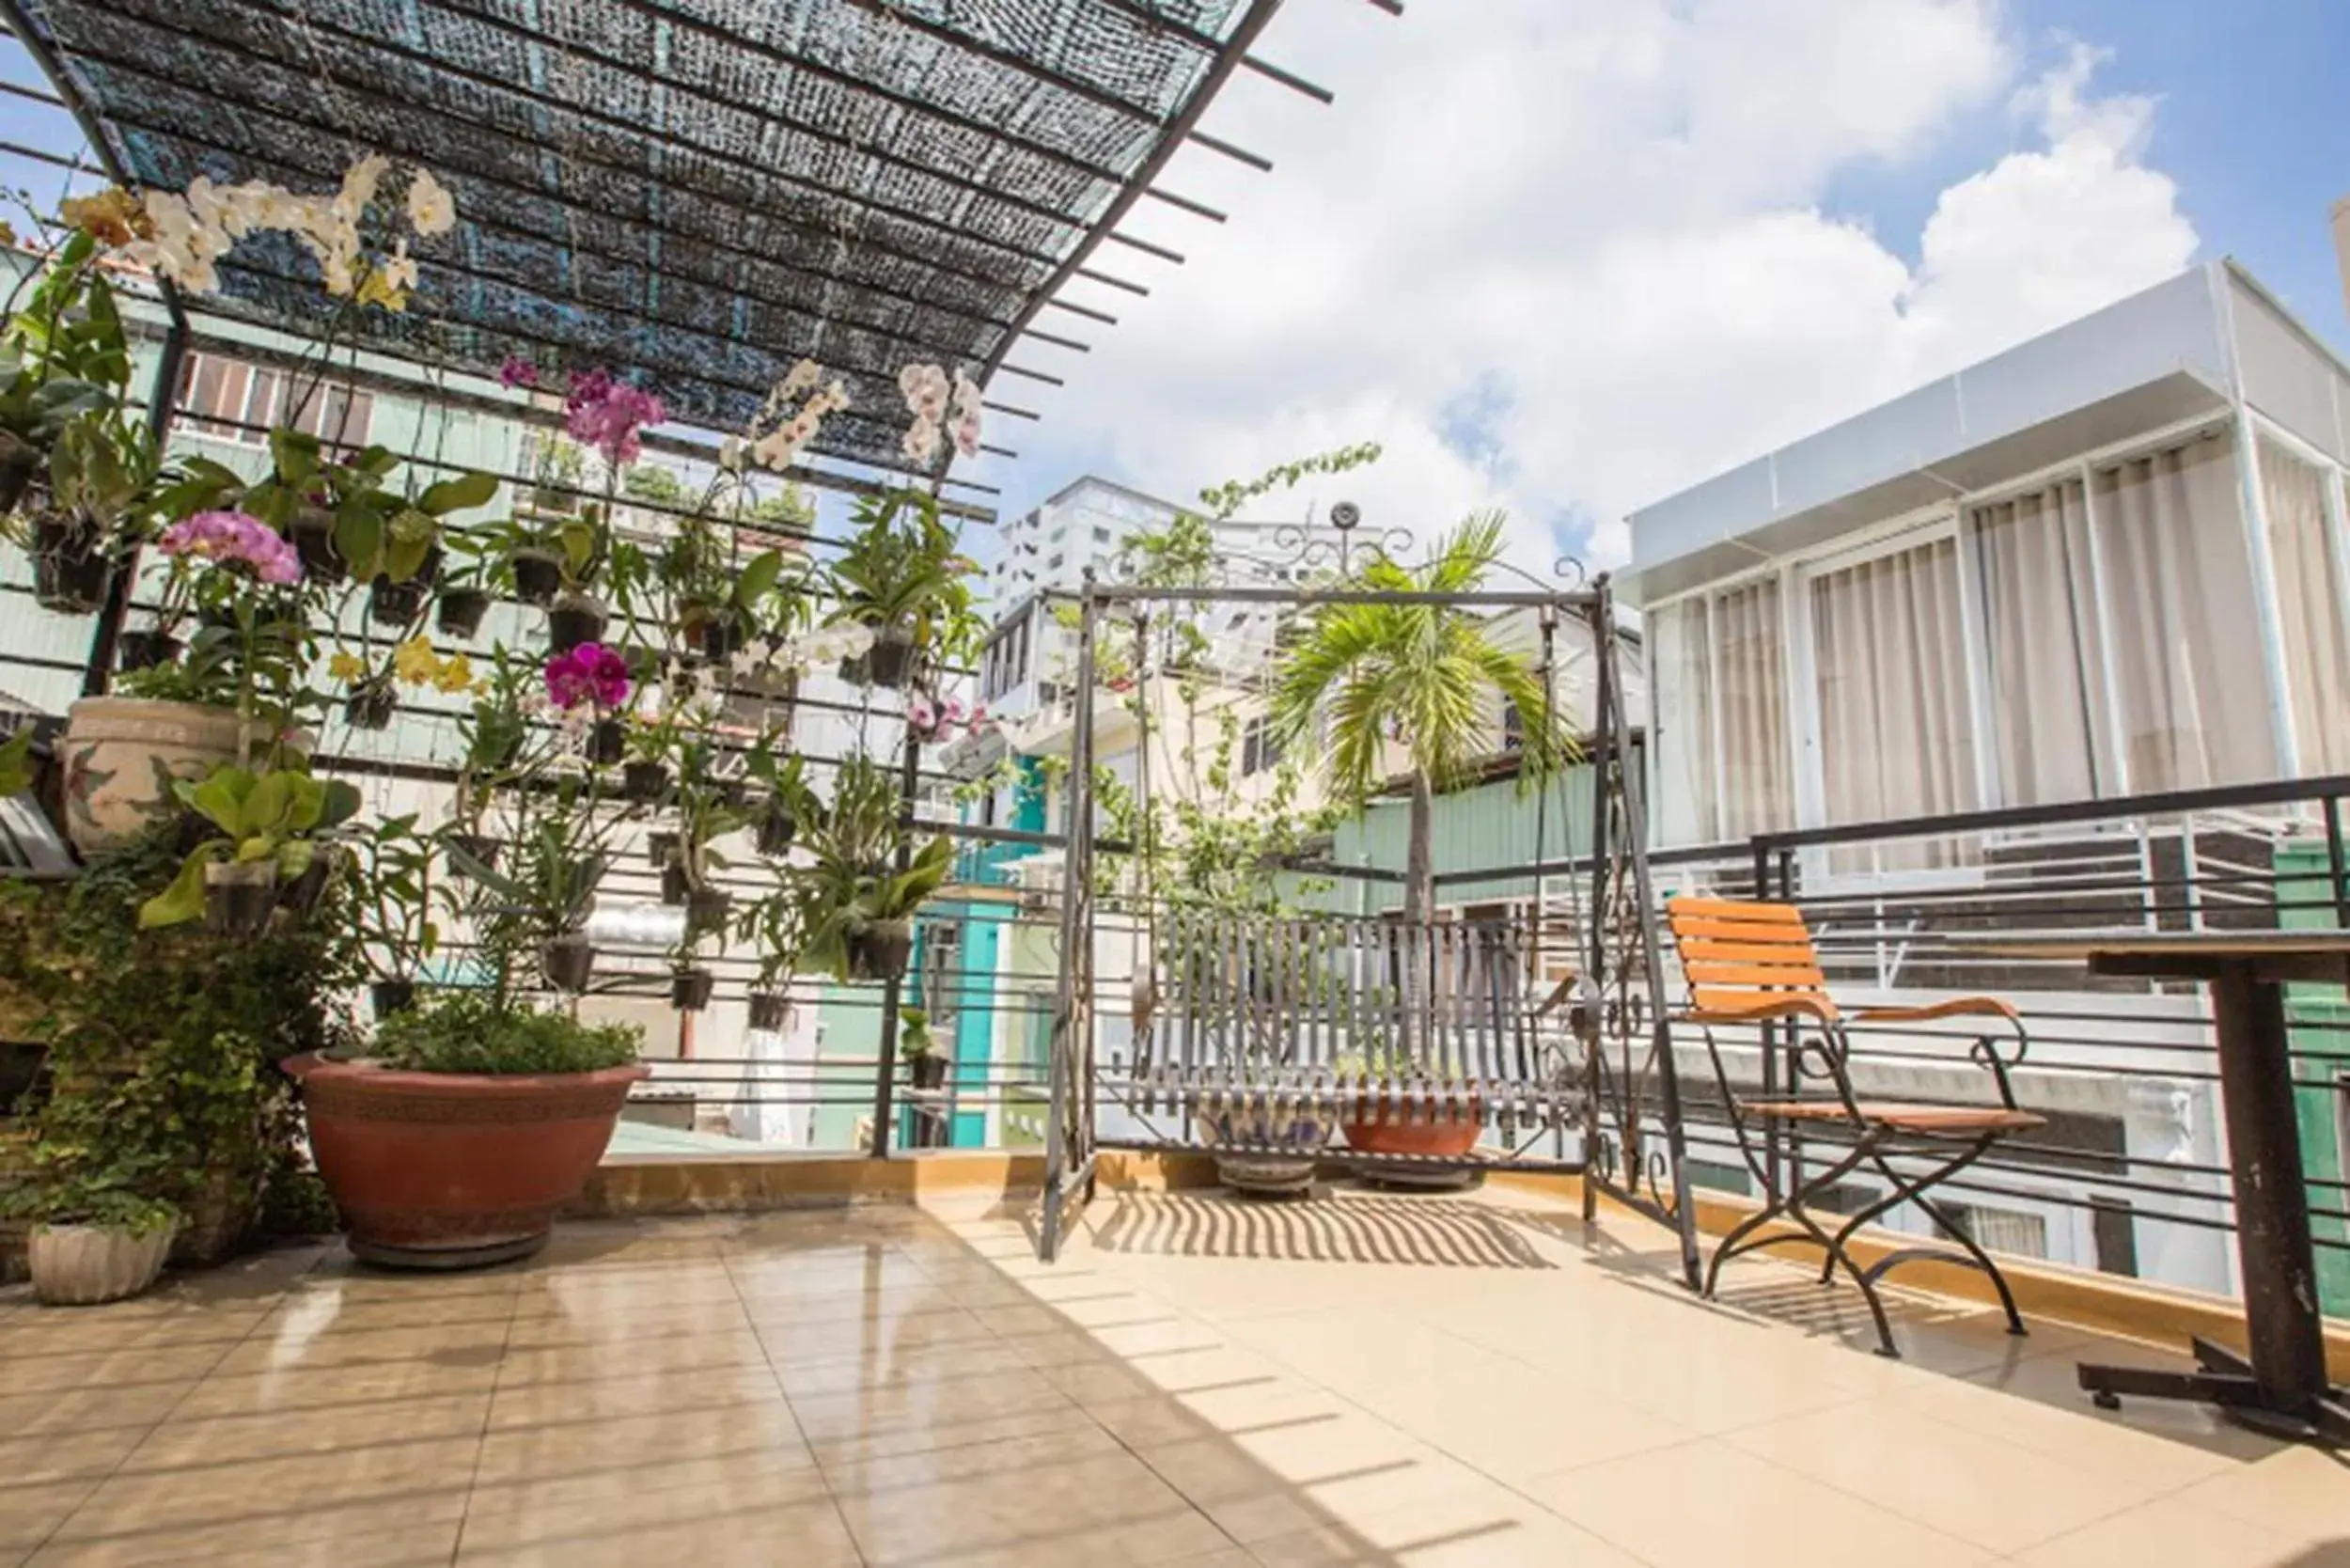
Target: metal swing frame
point(1609, 1027)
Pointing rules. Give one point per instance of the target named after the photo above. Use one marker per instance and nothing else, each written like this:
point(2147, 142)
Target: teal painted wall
point(1495, 824)
point(2318, 1020)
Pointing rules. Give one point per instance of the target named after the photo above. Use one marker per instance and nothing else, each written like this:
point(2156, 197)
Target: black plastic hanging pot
point(644, 782)
point(147, 649)
point(721, 637)
point(853, 670)
point(17, 468)
point(70, 569)
point(567, 962)
point(928, 1069)
point(676, 887)
point(391, 603)
point(478, 847)
point(661, 848)
point(393, 996)
point(313, 535)
point(777, 829)
point(767, 1008)
point(607, 741)
point(573, 619)
point(689, 989)
point(461, 613)
point(239, 896)
point(301, 896)
point(706, 909)
point(370, 707)
point(889, 658)
point(538, 576)
point(879, 950)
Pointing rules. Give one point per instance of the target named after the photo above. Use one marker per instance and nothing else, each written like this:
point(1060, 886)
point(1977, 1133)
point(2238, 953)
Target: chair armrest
point(1957, 1007)
point(1764, 1009)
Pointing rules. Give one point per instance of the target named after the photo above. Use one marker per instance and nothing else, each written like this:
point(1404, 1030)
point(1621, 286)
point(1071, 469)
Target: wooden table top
point(2272, 955)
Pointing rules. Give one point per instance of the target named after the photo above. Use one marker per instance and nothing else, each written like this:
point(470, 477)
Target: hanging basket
point(608, 742)
point(891, 656)
point(147, 649)
point(777, 829)
point(538, 576)
point(644, 782)
point(313, 536)
point(689, 989)
point(239, 896)
point(567, 962)
point(461, 612)
point(70, 569)
point(877, 950)
point(573, 619)
point(371, 707)
point(769, 1009)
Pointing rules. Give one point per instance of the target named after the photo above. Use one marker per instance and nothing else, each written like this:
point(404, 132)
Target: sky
point(1569, 256)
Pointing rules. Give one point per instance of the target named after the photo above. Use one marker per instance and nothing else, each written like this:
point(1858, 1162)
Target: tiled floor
point(1430, 1382)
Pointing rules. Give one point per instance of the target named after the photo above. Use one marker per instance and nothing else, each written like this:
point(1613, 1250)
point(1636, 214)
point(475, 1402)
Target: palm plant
point(1416, 674)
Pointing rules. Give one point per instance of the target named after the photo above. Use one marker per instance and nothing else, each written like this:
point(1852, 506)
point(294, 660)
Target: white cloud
point(1593, 230)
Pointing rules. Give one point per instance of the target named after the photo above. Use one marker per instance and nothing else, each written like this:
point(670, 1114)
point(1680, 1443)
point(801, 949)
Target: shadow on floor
point(1343, 1228)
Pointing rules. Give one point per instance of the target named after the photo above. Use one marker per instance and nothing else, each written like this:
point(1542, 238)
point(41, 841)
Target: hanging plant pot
point(538, 576)
point(689, 989)
point(676, 887)
point(722, 638)
point(607, 740)
point(70, 569)
point(370, 707)
point(301, 896)
point(890, 657)
point(391, 603)
point(643, 782)
point(768, 1008)
point(393, 996)
point(147, 649)
point(706, 909)
point(478, 847)
point(19, 461)
point(567, 962)
point(777, 828)
point(877, 950)
point(573, 619)
point(928, 1069)
point(461, 612)
point(313, 535)
point(661, 848)
point(239, 896)
point(853, 670)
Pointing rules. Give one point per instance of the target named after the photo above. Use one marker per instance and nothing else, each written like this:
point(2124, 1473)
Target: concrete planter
point(1263, 1148)
point(82, 1265)
point(122, 754)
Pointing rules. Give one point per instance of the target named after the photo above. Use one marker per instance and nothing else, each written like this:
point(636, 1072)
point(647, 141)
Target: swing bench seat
point(1755, 964)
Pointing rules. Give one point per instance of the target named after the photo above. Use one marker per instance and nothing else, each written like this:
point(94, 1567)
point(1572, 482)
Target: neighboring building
point(2109, 561)
point(1082, 528)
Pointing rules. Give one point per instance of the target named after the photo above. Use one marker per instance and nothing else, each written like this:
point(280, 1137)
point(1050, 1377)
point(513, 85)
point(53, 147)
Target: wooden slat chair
point(1755, 964)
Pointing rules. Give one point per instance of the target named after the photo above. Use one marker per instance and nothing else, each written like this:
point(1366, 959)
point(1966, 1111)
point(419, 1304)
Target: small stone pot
point(538, 576)
point(239, 896)
point(768, 1008)
point(644, 782)
point(890, 657)
point(879, 952)
point(689, 989)
point(461, 612)
point(392, 996)
point(573, 619)
point(567, 962)
point(313, 536)
point(147, 649)
point(607, 741)
point(777, 829)
point(371, 707)
point(85, 1265)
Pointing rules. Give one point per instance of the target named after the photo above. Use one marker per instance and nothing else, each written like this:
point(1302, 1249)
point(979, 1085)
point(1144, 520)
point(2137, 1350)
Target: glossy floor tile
point(1376, 1381)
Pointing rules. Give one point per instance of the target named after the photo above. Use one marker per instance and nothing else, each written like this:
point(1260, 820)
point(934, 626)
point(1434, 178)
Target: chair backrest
point(1738, 955)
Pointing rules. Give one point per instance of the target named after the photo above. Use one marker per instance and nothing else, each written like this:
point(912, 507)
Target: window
point(1512, 727)
point(1101, 536)
point(1897, 734)
point(2305, 549)
point(2179, 586)
point(1725, 770)
point(2051, 725)
point(1259, 746)
point(2113, 1230)
point(2014, 1232)
point(230, 400)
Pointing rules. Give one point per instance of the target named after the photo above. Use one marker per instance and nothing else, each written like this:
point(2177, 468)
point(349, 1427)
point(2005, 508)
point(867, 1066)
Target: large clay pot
point(82, 1265)
point(122, 755)
point(451, 1169)
point(1389, 1130)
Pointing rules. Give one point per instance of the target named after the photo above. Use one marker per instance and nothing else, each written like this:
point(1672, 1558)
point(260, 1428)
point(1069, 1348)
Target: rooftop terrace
point(1200, 1382)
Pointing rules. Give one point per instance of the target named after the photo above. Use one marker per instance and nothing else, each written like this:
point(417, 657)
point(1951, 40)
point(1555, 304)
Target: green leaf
point(220, 798)
point(295, 455)
point(294, 857)
point(461, 493)
point(339, 801)
point(184, 900)
point(269, 805)
point(758, 578)
point(359, 535)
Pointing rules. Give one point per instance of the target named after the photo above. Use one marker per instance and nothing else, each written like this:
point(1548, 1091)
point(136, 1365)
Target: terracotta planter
point(82, 1265)
point(1440, 1139)
point(455, 1170)
point(122, 755)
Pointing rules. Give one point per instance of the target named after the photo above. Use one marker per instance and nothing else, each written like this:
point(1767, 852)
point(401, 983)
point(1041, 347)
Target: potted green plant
point(265, 829)
point(787, 802)
point(903, 579)
point(532, 911)
point(393, 898)
point(93, 1238)
point(576, 616)
point(63, 358)
point(104, 485)
point(466, 1127)
point(395, 543)
point(858, 905)
point(926, 1064)
point(773, 927)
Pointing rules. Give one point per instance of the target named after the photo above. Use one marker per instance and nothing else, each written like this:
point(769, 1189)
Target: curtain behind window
point(1751, 661)
point(2186, 649)
point(1896, 732)
point(2309, 608)
point(1682, 686)
point(2050, 727)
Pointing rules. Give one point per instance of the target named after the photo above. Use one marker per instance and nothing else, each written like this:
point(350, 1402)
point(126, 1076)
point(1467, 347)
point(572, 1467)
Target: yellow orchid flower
point(347, 667)
point(455, 675)
point(415, 661)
